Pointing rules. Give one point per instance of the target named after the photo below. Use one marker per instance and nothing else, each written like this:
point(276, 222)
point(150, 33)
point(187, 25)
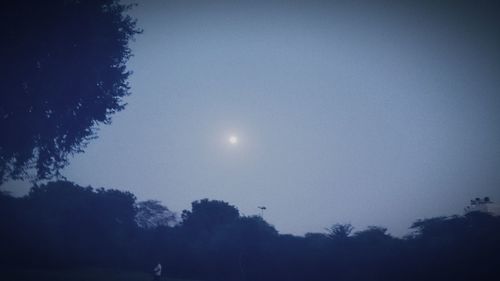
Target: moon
point(233, 140)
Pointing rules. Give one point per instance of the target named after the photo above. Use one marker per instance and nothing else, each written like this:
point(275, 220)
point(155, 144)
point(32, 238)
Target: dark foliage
point(339, 231)
point(63, 72)
point(62, 225)
point(151, 214)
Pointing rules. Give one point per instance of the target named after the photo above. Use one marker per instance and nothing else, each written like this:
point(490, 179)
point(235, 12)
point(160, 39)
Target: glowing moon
point(233, 140)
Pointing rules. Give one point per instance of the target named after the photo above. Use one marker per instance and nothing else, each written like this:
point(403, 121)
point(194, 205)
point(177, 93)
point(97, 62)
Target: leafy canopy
point(63, 73)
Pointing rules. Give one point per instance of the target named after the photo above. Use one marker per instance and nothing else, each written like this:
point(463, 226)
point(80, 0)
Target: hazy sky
point(373, 114)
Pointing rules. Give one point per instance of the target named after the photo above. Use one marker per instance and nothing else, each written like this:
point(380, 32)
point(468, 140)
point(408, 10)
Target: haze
point(372, 114)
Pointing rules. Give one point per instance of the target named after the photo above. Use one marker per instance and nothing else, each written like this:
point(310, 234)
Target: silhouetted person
point(157, 272)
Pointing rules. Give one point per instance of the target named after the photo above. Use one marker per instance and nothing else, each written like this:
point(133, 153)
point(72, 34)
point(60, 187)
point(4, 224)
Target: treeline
point(63, 225)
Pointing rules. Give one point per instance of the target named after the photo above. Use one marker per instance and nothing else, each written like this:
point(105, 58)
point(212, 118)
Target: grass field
point(82, 274)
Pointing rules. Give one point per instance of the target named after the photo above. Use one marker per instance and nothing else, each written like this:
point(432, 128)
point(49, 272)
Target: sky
point(362, 112)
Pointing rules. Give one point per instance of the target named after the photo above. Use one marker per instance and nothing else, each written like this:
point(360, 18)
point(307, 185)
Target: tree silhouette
point(206, 215)
point(151, 214)
point(63, 225)
point(340, 231)
point(63, 73)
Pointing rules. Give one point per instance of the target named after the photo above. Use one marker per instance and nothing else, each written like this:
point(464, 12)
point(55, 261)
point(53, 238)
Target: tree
point(340, 231)
point(373, 233)
point(151, 214)
point(63, 73)
point(61, 223)
point(206, 215)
